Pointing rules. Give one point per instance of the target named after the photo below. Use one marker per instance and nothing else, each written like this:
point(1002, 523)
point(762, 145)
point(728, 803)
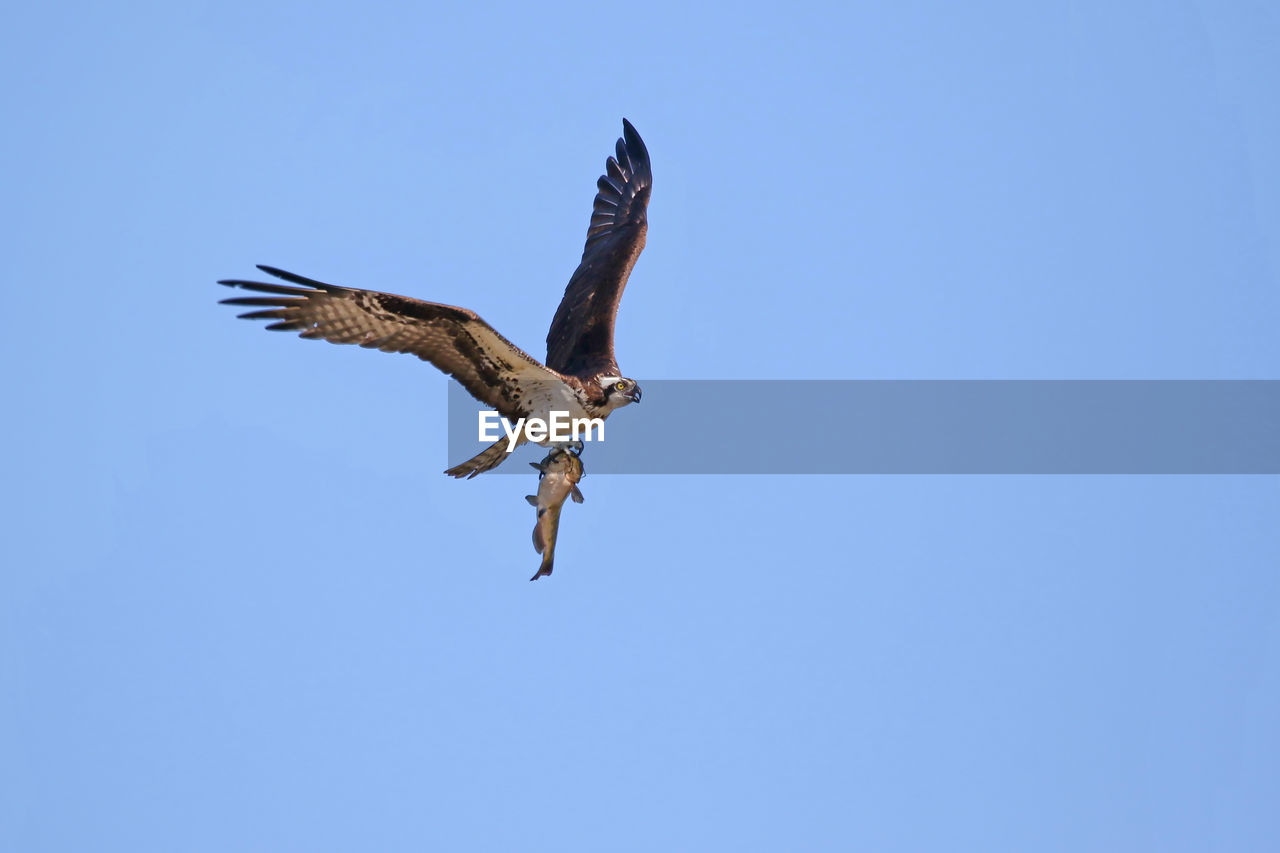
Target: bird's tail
point(491, 457)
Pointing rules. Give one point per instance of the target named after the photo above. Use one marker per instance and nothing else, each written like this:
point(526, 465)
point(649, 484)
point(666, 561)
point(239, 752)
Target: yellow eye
point(621, 386)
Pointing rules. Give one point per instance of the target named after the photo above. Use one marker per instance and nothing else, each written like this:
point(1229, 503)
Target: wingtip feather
point(638, 153)
point(294, 278)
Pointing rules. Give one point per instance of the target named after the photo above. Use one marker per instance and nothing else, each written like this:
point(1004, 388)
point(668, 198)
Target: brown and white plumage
point(581, 373)
point(580, 340)
point(455, 340)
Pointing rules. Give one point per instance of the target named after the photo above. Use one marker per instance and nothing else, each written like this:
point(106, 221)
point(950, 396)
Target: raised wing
point(580, 341)
point(491, 368)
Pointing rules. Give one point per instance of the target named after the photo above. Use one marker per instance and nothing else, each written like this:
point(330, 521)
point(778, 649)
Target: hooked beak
point(634, 396)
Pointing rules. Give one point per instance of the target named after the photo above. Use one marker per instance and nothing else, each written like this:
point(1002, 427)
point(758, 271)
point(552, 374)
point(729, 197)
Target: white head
point(619, 391)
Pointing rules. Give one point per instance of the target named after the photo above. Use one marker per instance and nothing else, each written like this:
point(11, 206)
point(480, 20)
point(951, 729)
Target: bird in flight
point(580, 376)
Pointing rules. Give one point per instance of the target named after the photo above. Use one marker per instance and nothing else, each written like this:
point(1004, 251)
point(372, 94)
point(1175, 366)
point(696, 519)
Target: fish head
point(557, 462)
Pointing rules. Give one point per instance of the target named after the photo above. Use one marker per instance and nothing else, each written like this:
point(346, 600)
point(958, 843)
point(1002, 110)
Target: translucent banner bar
point(922, 427)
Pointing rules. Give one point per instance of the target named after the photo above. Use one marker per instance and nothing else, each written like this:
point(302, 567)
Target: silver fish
point(558, 478)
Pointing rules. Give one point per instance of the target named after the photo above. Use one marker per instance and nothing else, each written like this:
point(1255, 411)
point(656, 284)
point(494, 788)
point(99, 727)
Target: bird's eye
point(621, 386)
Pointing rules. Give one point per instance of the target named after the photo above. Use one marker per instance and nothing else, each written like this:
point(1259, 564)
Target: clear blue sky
point(242, 609)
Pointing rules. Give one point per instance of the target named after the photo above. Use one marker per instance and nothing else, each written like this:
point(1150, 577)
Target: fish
point(558, 477)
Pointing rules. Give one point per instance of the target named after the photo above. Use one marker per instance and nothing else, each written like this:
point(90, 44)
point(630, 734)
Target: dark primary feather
point(580, 342)
point(453, 339)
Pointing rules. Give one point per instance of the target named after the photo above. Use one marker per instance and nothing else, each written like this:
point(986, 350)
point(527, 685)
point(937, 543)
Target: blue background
point(242, 609)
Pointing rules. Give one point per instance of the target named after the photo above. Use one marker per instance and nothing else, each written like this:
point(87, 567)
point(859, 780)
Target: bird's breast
point(562, 399)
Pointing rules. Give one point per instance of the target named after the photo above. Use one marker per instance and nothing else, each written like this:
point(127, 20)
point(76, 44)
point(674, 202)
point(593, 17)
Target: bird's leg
point(575, 447)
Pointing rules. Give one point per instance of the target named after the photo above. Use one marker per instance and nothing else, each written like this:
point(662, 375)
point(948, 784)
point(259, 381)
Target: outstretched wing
point(580, 342)
point(491, 368)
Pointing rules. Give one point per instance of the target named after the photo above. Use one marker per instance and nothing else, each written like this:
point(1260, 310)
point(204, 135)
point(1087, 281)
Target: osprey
point(580, 376)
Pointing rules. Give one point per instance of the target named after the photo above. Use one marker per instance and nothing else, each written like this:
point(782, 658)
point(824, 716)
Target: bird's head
point(619, 391)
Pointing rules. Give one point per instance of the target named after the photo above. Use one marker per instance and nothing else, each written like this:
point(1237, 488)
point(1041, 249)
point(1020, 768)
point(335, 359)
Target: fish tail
point(544, 569)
